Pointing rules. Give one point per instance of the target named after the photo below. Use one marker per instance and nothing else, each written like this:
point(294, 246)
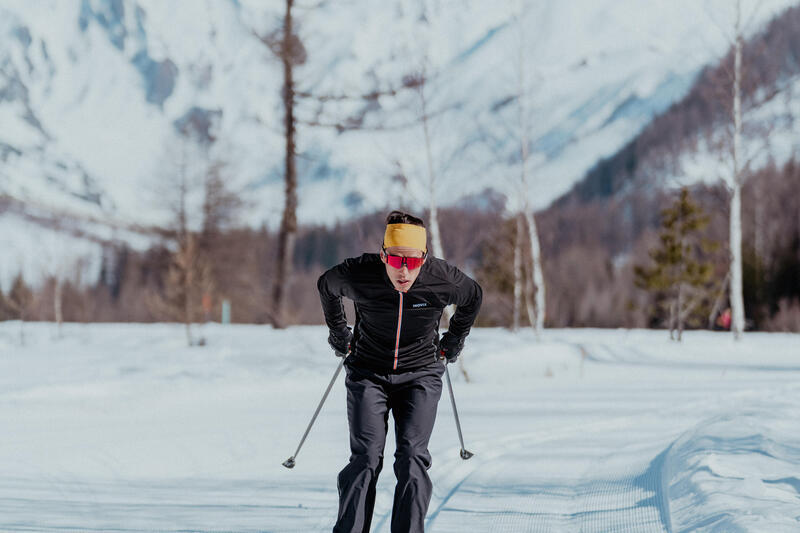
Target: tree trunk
point(187, 288)
point(679, 314)
point(288, 229)
point(437, 250)
point(537, 280)
point(736, 285)
point(737, 299)
point(188, 334)
point(527, 290)
point(538, 276)
point(433, 224)
point(672, 316)
point(57, 303)
point(517, 274)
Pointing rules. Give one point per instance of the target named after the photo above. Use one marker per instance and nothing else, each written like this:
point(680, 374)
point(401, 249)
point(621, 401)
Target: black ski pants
point(412, 397)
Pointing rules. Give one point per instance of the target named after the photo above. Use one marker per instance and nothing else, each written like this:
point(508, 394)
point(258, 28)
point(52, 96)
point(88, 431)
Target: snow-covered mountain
point(94, 95)
point(692, 141)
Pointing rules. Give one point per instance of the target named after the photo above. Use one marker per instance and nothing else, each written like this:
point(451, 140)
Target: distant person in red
point(394, 363)
point(724, 319)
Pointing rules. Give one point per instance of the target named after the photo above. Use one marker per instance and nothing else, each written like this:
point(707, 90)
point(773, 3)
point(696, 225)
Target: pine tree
point(681, 279)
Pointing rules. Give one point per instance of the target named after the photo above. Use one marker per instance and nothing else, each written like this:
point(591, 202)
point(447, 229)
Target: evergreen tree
point(681, 278)
point(19, 297)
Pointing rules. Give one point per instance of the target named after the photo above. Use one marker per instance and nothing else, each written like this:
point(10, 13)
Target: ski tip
point(465, 454)
point(289, 463)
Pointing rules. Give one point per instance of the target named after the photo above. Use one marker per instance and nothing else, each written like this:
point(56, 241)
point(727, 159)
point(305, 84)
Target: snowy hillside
point(94, 93)
point(122, 427)
point(692, 142)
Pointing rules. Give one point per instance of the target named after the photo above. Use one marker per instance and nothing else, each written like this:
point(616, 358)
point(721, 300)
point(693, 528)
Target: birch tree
point(734, 179)
point(741, 99)
point(518, 281)
point(418, 82)
point(536, 313)
point(735, 184)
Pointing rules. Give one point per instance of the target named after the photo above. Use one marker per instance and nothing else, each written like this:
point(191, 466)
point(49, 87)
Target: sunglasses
point(397, 261)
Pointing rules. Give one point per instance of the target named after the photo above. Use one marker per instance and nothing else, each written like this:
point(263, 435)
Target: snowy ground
point(121, 427)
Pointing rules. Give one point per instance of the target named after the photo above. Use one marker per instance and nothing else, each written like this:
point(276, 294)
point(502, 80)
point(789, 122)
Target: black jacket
point(395, 331)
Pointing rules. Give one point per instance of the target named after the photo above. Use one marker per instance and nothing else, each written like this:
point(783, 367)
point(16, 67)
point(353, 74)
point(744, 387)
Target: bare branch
point(722, 29)
point(344, 126)
point(371, 96)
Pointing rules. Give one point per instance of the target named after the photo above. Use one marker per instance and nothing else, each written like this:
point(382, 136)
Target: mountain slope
point(691, 141)
point(102, 100)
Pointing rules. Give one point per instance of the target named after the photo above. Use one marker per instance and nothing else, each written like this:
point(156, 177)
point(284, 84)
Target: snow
point(586, 59)
point(40, 253)
point(85, 142)
point(711, 165)
point(111, 426)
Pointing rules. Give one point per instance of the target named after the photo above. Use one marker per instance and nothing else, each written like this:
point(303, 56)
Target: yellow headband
point(408, 235)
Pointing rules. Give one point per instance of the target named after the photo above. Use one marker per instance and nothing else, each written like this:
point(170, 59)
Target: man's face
point(402, 278)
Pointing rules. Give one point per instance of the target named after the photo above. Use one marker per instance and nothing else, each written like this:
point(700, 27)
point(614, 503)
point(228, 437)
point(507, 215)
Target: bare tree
point(433, 215)
point(285, 43)
point(418, 82)
point(735, 179)
point(217, 240)
point(422, 81)
point(18, 301)
point(221, 205)
point(60, 268)
point(287, 46)
point(518, 281)
point(536, 314)
point(735, 184)
point(189, 276)
point(188, 279)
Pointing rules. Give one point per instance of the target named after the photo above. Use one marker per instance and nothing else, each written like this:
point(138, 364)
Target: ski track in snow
point(594, 448)
point(633, 500)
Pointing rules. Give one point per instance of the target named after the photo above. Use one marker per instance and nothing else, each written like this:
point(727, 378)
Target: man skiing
point(393, 363)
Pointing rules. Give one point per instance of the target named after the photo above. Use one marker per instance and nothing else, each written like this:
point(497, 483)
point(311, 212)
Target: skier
point(394, 363)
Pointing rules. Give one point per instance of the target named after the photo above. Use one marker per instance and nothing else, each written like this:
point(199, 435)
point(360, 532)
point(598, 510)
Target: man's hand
point(450, 346)
point(340, 341)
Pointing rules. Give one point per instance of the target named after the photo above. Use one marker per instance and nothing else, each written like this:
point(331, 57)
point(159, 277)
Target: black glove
point(340, 341)
point(450, 346)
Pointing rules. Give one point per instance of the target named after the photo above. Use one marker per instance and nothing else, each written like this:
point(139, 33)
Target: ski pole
point(464, 453)
point(289, 463)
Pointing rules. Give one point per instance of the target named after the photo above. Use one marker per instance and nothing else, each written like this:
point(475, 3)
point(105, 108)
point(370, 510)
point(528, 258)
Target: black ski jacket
point(396, 331)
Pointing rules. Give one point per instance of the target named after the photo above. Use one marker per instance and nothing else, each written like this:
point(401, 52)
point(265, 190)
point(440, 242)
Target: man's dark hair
point(398, 217)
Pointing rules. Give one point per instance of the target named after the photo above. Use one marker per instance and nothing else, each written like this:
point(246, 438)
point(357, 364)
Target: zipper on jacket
point(399, 322)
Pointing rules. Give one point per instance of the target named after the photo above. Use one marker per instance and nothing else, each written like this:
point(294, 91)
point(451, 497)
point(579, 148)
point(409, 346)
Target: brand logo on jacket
point(423, 304)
